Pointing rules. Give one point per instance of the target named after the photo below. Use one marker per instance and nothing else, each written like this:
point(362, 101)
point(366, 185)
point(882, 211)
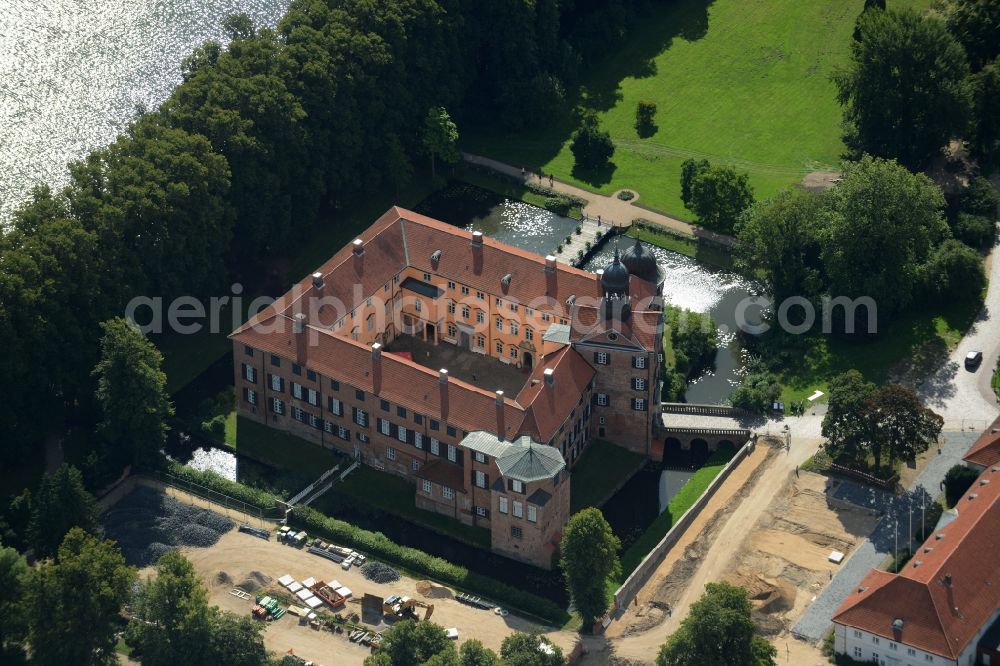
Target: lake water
point(700, 288)
point(73, 71)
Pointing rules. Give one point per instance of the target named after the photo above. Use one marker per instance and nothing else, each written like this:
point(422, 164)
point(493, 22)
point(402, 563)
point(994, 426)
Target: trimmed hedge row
point(376, 544)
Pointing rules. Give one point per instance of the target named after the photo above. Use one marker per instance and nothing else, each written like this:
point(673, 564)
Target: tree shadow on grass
point(596, 176)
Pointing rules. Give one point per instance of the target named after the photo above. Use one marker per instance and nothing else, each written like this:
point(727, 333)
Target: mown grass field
point(744, 82)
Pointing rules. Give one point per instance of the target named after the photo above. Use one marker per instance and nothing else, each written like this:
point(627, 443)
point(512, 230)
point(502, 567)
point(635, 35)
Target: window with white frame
point(277, 383)
point(452, 331)
point(893, 646)
point(480, 479)
point(451, 307)
point(452, 453)
point(518, 509)
point(384, 427)
point(390, 453)
point(514, 328)
point(335, 406)
point(296, 391)
point(312, 396)
point(529, 334)
point(516, 486)
point(480, 296)
point(451, 285)
point(639, 405)
point(328, 426)
point(251, 396)
point(415, 464)
point(857, 652)
point(313, 421)
point(466, 312)
point(298, 414)
point(435, 447)
point(513, 351)
point(602, 399)
point(481, 511)
point(361, 417)
point(516, 532)
point(911, 652)
point(465, 290)
point(447, 493)
point(277, 406)
point(500, 324)
point(639, 383)
point(502, 505)
point(499, 346)
point(532, 514)
point(480, 457)
point(481, 342)
point(857, 634)
point(250, 373)
point(417, 305)
point(418, 440)
point(640, 362)
point(343, 432)
point(480, 317)
point(601, 358)
point(427, 486)
point(401, 434)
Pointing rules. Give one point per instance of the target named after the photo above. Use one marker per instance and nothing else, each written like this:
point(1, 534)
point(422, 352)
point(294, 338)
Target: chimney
point(947, 580)
point(599, 273)
point(443, 383)
point(376, 368)
point(358, 247)
point(550, 263)
point(500, 422)
point(318, 282)
point(477, 241)
point(299, 329)
point(550, 376)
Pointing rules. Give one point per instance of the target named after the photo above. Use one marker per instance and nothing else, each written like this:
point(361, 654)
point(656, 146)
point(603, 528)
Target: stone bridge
point(698, 430)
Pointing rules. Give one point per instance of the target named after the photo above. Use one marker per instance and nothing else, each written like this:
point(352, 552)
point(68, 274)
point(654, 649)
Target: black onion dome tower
point(641, 263)
point(614, 282)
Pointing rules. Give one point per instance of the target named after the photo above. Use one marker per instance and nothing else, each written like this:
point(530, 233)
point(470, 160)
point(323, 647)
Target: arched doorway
point(429, 333)
point(673, 454)
point(699, 452)
point(527, 359)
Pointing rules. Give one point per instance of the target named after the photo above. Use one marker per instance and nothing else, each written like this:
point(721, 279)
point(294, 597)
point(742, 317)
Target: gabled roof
point(526, 460)
point(985, 451)
point(948, 591)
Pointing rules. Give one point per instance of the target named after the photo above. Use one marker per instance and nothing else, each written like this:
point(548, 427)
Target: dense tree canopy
point(15, 580)
point(718, 631)
point(588, 555)
point(905, 91)
point(592, 147)
point(74, 603)
point(520, 649)
point(61, 503)
point(132, 394)
point(718, 195)
point(985, 140)
point(883, 223)
point(780, 241)
point(976, 24)
point(954, 273)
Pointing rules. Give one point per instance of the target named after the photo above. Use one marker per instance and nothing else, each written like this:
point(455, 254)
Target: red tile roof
point(938, 616)
point(985, 452)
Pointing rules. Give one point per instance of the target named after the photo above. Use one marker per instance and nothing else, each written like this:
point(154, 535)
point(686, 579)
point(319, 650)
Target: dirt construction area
point(782, 560)
point(248, 561)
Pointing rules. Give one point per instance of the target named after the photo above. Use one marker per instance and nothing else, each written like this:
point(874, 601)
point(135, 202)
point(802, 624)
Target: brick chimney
point(301, 337)
point(376, 368)
point(550, 275)
point(550, 263)
point(500, 422)
point(550, 377)
point(358, 249)
point(318, 285)
point(443, 383)
point(477, 241)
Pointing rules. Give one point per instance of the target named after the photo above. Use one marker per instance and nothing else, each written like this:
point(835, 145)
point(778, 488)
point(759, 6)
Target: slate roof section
point(539, 498)
point(948, 591)
point(422, 288)
point(485, 442)
point(527, 461)
point(558, 333)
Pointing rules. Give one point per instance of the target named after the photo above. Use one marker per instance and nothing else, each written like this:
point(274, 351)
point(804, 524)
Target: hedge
point(376, 544)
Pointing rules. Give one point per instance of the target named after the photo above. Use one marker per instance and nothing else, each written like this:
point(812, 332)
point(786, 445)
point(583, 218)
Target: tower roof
point(616, 277)
point(641, 263)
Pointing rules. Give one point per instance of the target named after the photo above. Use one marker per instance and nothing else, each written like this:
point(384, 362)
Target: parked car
point(973, 359)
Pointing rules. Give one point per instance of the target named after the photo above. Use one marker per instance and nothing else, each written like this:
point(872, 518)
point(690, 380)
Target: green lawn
point(681, 502)
point(601, 470)
point(735, 82)
point(917, 339)
point(394, 495)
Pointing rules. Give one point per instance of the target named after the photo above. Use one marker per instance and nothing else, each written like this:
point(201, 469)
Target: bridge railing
point(703, 410)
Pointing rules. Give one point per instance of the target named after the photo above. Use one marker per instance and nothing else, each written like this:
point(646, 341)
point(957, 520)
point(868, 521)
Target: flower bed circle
point(626, 195)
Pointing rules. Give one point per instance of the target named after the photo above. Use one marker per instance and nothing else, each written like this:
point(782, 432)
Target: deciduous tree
point(905, 428)
point(74, 603)
point(954, 273)
point(883, 223)
point(591, 147)
point(976, 24)
point(440, 137)
point(718, 631)
point(905, 90)
point(410, 643)
point(15, 581)
point(985, 140)
point(847, 425)
point(521, 649)
point(690, 168)
point(588, 556)
point(718, 195)
point(132, 393)
point(780, 240)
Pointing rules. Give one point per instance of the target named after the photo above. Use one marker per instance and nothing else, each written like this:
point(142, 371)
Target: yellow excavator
point(405, 608)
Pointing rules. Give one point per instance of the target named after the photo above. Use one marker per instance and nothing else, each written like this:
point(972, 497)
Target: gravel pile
point(146, 524)
point(379, 573)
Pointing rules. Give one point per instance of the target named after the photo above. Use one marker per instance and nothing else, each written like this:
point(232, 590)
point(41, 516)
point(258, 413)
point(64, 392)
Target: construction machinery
point(405, 608)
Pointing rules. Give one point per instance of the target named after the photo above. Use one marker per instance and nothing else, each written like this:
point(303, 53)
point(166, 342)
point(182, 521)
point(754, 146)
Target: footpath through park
point(609, 209)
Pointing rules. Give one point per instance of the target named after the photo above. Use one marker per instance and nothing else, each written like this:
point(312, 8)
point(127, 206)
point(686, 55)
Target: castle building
point(476, 369)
